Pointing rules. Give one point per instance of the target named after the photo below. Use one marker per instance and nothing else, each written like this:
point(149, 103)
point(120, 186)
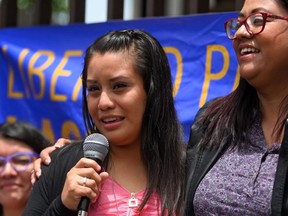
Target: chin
point(248, 73)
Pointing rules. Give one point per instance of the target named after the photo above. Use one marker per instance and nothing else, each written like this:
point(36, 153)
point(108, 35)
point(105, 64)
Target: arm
point(45, 198)
point(60, 187)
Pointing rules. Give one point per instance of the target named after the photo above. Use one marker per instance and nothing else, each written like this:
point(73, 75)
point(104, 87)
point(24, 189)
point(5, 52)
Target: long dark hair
point(162, 143)
point(284, 3)
point(227, 119)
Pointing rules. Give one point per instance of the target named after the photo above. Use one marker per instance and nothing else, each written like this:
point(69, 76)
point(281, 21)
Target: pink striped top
point(114, 200)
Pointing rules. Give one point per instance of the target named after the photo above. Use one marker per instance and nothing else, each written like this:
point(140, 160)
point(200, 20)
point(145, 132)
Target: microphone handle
point(83, 206)
point(84, 202)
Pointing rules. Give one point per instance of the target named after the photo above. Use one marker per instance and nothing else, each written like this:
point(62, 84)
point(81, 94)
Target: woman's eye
point(92, 88)
point(119, 85)
point(257, 20)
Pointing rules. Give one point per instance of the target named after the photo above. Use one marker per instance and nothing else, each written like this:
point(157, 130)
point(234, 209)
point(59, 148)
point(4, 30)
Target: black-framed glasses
point(19, 161)
point(254, 23)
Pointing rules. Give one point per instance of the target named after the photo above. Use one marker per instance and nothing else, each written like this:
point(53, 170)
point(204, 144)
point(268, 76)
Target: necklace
point(132, 201)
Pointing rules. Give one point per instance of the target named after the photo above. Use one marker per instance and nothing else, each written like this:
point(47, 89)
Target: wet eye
point(119, 85)
point(93, 88)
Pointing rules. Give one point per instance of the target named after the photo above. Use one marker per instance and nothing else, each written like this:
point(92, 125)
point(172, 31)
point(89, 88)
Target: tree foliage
point(57, 5)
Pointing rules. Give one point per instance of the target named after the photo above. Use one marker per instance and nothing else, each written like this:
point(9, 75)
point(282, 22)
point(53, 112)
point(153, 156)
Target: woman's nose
point(8, 169)
point(105, 101)
point(242, 32)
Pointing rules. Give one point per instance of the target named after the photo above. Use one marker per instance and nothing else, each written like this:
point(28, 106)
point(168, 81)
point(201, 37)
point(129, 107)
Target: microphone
point(95, 147)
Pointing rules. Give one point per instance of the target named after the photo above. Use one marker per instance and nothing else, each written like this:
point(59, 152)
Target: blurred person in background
point(20, 144)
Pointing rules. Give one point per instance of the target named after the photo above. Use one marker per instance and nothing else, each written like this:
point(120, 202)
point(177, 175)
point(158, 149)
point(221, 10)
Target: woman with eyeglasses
point(20, 144)
point(237, 155)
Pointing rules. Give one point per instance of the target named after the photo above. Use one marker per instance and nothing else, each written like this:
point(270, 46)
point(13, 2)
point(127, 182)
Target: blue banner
point(41, 66)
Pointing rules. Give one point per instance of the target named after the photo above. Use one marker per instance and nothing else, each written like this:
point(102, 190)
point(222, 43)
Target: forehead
point(10, 146)
point(252, 6)
point(112, 61)
point(126, 54)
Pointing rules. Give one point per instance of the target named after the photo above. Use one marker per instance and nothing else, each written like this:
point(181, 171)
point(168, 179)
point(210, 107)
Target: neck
point(127, 168)
point(271, 99)
point(12, 211)
point(270, 107)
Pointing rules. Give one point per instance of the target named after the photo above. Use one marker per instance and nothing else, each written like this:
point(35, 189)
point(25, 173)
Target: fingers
point(89, 164)
point(45, 158)
point(104, 175)
point(61, 142)
point(33, 177)
point(36, 171)
point(90, 187)
point(82, 180)
point(45, 153)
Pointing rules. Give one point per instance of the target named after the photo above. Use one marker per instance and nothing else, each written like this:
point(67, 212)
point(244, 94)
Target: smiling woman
point(20, 144)
point(239, 141)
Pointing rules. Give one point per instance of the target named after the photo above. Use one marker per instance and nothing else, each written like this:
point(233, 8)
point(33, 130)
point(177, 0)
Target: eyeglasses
point(19, 161)
point(254, 24)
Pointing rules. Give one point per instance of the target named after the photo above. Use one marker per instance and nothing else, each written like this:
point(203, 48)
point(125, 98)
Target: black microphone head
point(96, 147)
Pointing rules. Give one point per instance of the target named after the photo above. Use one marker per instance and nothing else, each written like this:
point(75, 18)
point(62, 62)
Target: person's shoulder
point(65, 157)
point(202, 110)
point(75, 149)
point(196, 131)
